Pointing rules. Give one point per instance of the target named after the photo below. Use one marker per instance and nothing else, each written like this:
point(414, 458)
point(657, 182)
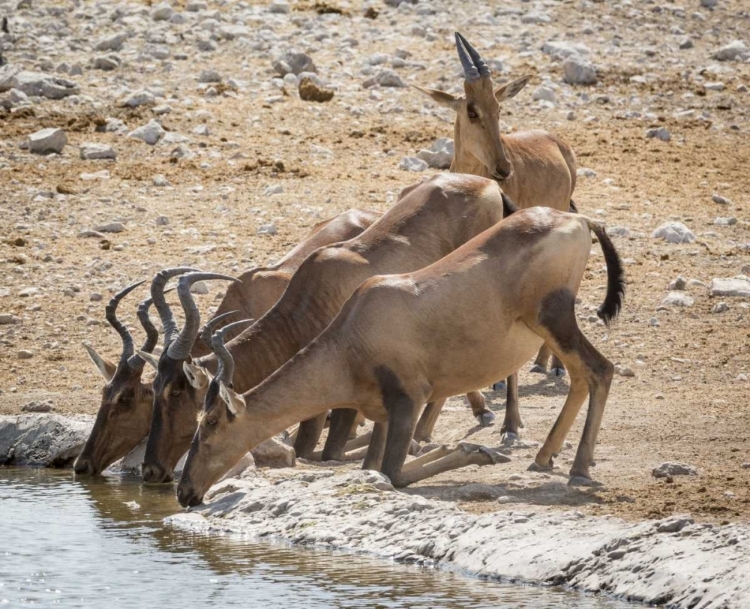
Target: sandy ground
point(687, 401)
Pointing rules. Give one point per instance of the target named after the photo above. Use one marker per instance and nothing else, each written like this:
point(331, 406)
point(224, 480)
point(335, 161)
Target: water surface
point(68, 542)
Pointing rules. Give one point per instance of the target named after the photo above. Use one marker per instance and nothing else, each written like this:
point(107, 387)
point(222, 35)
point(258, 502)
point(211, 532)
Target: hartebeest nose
point(500, 173)
point(82, 467)
point(154, 474)
point(186, 496)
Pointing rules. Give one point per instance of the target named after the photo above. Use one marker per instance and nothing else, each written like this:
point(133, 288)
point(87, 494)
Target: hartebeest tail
point(615, 275)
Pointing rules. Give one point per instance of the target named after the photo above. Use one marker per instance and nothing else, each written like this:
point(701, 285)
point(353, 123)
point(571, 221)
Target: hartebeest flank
point(430, 220)
point(404, 340)
point(534, 168)
point(124, 416)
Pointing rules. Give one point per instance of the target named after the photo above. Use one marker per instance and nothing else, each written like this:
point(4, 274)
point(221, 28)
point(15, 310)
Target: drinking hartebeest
point(403, 340)
point(430, 220)
point(124, 416)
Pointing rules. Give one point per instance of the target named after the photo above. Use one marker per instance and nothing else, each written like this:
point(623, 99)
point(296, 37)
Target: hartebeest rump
point(430, 220)
point(404, 340)
point(124, 416)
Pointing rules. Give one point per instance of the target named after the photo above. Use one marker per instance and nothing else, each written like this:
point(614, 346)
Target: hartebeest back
point(404, 340)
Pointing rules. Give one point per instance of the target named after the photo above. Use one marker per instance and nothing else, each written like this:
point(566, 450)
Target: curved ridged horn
point(180, 348)
point(110, 313)
point(157, 296)
point(136, 362)
point(208, 329)
point(225, 372)
point(474, 66)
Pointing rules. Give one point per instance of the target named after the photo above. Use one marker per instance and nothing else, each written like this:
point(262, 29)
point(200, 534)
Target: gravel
point(92, 151)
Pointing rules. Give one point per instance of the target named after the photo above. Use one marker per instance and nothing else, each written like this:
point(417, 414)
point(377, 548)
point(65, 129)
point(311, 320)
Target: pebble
point(160, 181)
point(677, 284)
point(102, 174)
point(209, 76)
point(35, 84)
point(138, 98)
point(276, 189)
point(720, 307)
point(150, 133)
point(111, 43)
point(578, 70)
point(199, 287)
point(618, 231)
point(385, 78)
point(673, 469)
point(25, 354)
point(730, 287)
point(625, 371)
point(678, 299)
point(91, 151)
point(731, 221)
point(674, 232)
point(412, 163)
point(717, 198)
point(659, 133)
point(162, 221)
point(107, 63)
point(112, 227)
point(162, 12)
point(279, 7)
point(563, 49)
point(7, 319)
point(543, 93)
point(47, 140)
point(267, 229)
point(713, 86)
point(439, 155)
point(39, 406)
point(585, 172)
point(731, 51)
point(294, 62)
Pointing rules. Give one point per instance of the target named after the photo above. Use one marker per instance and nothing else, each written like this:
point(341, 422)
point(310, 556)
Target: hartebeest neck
point(463, 160)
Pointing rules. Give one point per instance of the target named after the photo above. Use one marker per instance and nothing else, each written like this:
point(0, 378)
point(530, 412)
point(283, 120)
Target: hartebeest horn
point(110, 313)
point(183, 343)
point(474, 66)
point(208, 329)
point(136, 362)
point(157, 296)
point(225, 372)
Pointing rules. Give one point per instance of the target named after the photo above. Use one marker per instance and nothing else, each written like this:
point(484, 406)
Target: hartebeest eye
point(125, 399)
point(211, 421)
point(175, 392)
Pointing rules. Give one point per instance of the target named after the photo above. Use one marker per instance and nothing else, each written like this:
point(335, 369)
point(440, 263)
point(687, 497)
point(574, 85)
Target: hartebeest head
point(176, 396)
point(125, 412)
point(221, 408)
point(477, 131)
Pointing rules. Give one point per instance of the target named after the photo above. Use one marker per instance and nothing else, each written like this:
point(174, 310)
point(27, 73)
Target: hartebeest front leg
point(512, 422)
point(376, 449)
point(308, 434)
point(342, 421)
point(445, 459)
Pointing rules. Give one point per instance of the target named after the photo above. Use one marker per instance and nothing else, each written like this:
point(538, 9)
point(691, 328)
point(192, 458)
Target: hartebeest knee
point(404, 340)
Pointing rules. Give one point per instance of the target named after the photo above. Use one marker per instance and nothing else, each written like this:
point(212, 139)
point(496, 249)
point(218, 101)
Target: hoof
point(496, 456)
point(499, 386)
point(582, 481)
point(486, 419)
point(538, 369)
point(559, 372)
point(509, 439)
point(535, 467)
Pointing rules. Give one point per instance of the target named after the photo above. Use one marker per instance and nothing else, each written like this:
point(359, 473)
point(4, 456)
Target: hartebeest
point(124, 416)
point(403, 340)
point(532, 167)
point(430, 220)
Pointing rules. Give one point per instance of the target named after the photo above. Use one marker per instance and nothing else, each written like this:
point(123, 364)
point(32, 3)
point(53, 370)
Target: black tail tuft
point(508, 206)
point(5, 26)
point(573, 208)
point(615, 276)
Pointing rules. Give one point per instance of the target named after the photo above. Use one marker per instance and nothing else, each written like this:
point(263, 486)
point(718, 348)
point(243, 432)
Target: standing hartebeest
point(124, 416)
point(405, 340)
point(429, 220)
point(534, 168)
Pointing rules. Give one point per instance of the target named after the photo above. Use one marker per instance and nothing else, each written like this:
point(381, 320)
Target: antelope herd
point(378, 316)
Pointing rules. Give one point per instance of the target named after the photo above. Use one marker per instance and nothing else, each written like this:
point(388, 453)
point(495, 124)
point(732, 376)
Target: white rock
point(713, 86)
point(674, 469)
point(103, 174)
point(660, 133)
point(209, 76)
point(36, 84)
point(42, 439)
point(25, 354)
point(276, 189)
point(678, 299)
point(16, 96)
point(561, 49)
point(578, 71)
point(111, 227)
point(585, 172)
point(138, 98)
point(202, 130)
point(411, 163)
point(162, 221)
point(163, 12)
point(720, 307)
point(731, 221)
point(543, 93)
point(160, 181)
point(150, 133)
point(279, 6)
point(106, 64)
point(439, 155)
point(678, 283)
point(199, 287)
point(273, 453)
point(674, 232)
point(535, 17)
point(111, 43)
point(385, 78)
point(618, 231)
point(7, 319)
point(91, 151)
point(738, 286)
point(47, 140)
point(294, 62)
point(717, 198)
point(267, 229)
point(731, 51)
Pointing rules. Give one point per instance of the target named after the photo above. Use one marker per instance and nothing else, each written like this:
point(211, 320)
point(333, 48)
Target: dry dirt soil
point(688, 398)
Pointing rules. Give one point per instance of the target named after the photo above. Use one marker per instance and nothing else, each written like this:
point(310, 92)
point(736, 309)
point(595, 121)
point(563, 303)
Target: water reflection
point(96, 543)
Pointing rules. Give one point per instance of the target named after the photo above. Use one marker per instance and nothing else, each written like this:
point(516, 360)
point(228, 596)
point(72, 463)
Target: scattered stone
point(150, 133)
point(411, 163)
point(267, 229)
point(199, 287)
point(95, 297)
point(659, 133)
point(543, 93)
point(162, 221)
point(294, 62)
point(713, 86)
point(106, 63)
point(138, 98)
point(280, 7)
point(25, 354)
point(91, 151)
point(42, 439)
point(111, 43)
point(686, 43)
point(112, 227)
point(678, 284)
point(7, 319)
point(738, 286)
point(585, 172)
point(163, 12)
point(673, 469)
point(277, 189)
point(48, 140)
point(674, 525)
point(439, 155)
point(36, 84)
point(731, 221)
point(717, 198)
point(618, 231)
point(274, 453)
point(38, 406)
point(385, 78)
point(731, 51)
point(102, 174)
point(674, 232)
point(160, 181)
point(562, 49)
point(309, 91)
point(720, 307)
point(209, 76)
point(678, 299)
point(578, 71)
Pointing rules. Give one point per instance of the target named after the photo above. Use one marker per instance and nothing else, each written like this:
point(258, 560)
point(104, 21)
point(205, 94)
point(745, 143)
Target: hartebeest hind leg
point(426, 425)
point(512, 422)
point(590, 372)
point(308, 433)
point(342, 422)
point(540, 363)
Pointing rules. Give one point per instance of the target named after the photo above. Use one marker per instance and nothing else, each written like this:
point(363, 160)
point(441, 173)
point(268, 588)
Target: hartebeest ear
point(198, 377)
point(149, 358)
point(234, 401)
point(441, 97)
point(511, 89)
point(105, 367)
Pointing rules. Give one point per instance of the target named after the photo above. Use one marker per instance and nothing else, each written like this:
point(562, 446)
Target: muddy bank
point(672, 561)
